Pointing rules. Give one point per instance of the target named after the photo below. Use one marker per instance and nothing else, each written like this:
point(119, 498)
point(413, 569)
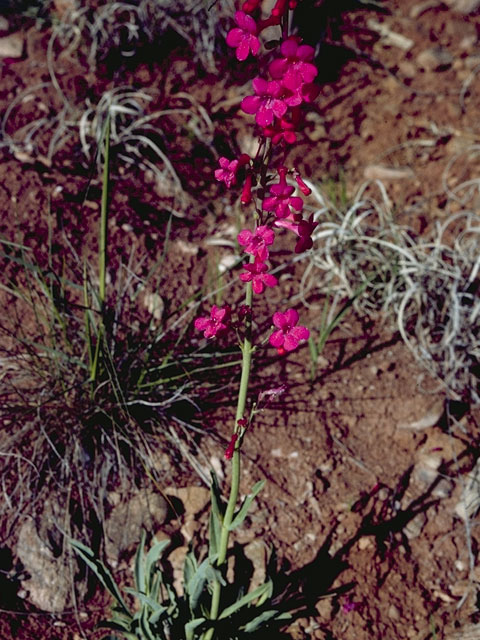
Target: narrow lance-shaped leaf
point(102, 573)
point(242, 512)
point(247, 599)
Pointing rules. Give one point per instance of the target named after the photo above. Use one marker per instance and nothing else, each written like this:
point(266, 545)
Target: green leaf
point(145, 626)
point(139, 565)
point(214, 533)
point(242, 512)
point(216, 496)
point(190, 567)
point(102, 573)
point(247, 599)
point(266, 616)
point(191, 626)
point(204, 573)
point(146, 600)
point(152, 559)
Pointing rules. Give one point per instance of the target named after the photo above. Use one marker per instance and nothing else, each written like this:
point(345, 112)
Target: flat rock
point(47, 584)
point(123, 529)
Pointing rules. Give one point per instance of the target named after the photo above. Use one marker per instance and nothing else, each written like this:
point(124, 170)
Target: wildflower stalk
point(247, 350)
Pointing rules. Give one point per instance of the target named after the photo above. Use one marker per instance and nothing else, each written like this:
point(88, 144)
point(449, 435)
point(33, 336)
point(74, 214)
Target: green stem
point(102, 267)
point(102, 252)
point(235, 483)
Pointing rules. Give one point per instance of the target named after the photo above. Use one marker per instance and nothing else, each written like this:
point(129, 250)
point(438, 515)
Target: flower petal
point(250, 104)
point(291, 317)
point(276, 339)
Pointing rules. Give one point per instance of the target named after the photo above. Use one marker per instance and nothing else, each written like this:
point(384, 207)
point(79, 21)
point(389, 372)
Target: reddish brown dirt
point(369, 547)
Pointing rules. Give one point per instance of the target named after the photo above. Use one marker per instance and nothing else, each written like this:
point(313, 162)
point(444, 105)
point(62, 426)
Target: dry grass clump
point(72, 437)
point(429, 286)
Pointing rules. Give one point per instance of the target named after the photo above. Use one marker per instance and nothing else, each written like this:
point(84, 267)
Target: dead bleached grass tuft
point(428, 285)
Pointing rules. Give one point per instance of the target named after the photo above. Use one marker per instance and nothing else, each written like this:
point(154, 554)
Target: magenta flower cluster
point(276, 104)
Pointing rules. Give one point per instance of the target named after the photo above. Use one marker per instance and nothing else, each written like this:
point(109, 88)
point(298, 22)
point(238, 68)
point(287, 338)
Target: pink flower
point(231, 447)
point(304, 231)
point(256, 273)
point(250, 5)
point(227, 172)
point(302, 228)
point(246, 196)
point(256, 243)
point(281, 200)
point(244, 37)
point(283, 129)
point(288, 333)
point(216, 324)
point(294, 69)
point(269, 102)
point(301, 185)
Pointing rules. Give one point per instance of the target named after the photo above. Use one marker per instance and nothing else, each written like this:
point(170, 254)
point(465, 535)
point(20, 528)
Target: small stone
point(155, 305)
point(12, 46)
point(393, 612)
point(463, 6)
point(430, 418)
point(415, 526)
point(364, 543)
point(443, 489)
point(420, 8)
point(426, 470)
point(62, 6)
point(407, 69)
point(378, 172)
point(435, 59)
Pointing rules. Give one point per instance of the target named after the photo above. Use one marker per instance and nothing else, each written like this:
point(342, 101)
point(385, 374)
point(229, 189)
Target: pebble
point(393, 612)
point(431, 417)
point(435, 59)
point(420, 8)
point(463, 6)
point(12, 46)
point(415, 526)
point(379, 172)
point(364, 543)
